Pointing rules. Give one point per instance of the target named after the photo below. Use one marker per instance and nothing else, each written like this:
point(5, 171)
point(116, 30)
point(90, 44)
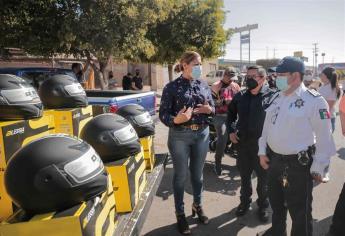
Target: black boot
point(197, 209)
point(242, 209)
point(218, 167)
point(182, 224)
point(263, 214)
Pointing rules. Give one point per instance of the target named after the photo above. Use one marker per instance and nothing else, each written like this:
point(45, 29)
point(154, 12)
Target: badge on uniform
point(299, 103)
point(324, 114)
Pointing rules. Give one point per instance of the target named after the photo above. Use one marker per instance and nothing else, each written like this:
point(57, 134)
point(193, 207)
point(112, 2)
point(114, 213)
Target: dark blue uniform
point(249, 112)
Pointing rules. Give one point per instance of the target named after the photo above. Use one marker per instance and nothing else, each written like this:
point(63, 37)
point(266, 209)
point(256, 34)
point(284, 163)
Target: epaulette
point(314, 92)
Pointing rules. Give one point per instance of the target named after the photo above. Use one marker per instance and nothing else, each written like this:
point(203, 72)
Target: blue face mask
point(281, 83)
point(196, 72)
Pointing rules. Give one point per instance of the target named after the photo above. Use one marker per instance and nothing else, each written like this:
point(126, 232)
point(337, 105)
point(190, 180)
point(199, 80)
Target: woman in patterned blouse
point(185, 107)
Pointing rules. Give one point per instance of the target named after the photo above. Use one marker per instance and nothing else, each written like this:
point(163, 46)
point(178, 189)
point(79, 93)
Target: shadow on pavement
point(226, 184)
point(341, 153)
point(321, 227)
point(225, 224)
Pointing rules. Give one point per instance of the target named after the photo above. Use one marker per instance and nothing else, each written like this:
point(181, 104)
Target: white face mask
point(282, 83)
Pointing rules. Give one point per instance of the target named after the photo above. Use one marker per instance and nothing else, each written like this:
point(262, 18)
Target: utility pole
point(323, 57)
point(266, 52)
point(241, 50)
point(274, 53)
point(249, 47)
point(315, 51)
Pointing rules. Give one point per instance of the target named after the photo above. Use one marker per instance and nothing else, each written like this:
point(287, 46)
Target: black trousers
point(295, 197)
point(247, 162)
point(338, 220)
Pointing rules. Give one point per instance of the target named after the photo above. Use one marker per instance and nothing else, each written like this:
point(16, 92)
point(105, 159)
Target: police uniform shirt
point(295, 122)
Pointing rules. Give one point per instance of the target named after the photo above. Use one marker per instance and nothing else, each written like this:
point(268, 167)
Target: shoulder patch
point(314, 93)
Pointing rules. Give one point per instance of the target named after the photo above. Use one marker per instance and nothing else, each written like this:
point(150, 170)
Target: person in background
point(112, 81)
point(330, 90)
point(222, 92)
point(186, 105)
point(79, 72)
point(308, 80)
point(127, 82)
point(137, 81)
point(248, 109)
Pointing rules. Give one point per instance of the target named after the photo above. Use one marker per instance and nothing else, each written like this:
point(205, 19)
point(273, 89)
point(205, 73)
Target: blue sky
point(288, 26)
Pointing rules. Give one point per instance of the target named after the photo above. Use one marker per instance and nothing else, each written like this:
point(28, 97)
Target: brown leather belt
point(194, 127)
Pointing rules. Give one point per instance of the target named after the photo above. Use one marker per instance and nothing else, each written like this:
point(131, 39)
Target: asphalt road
point(221, 197)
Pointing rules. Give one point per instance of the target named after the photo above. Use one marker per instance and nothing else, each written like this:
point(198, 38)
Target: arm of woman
point(330, 103)
point(166, 107)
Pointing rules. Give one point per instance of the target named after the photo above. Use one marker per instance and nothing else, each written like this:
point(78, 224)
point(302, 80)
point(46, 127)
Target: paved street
point(221, 197)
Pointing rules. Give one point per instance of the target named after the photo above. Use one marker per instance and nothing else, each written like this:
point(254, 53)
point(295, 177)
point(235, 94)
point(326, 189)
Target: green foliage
point(100, 27)
point(190, 25)
point(152, 30)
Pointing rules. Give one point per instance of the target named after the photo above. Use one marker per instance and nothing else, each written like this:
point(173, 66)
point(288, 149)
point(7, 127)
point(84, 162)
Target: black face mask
point(251, 83)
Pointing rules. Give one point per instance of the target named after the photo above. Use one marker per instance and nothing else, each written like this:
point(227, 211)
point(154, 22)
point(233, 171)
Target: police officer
point(249, 107)
point(296, 118)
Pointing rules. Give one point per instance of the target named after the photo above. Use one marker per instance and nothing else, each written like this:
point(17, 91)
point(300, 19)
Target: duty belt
point(303, 157)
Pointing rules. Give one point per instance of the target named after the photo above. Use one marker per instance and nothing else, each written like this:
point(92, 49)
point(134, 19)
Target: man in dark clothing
point(127, 82)
point(137, 81)
point(79, 72)
point(248, 108)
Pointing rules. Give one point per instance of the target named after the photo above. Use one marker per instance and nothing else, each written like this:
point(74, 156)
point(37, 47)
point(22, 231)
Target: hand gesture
point(183, 115)
point(264, 162)
point(203, 109)
point(234, 138)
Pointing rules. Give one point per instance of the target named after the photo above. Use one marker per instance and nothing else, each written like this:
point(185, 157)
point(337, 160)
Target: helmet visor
point(75, 89)
point(25, 95)
point(85, 167)
point(143, 119)
point(125, 135)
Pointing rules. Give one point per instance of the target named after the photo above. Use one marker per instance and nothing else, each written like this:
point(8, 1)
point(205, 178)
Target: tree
point(267, 63)
point(84, 28)
point(190, 25)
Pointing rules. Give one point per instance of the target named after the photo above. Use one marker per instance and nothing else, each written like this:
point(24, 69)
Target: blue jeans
point(187, 147)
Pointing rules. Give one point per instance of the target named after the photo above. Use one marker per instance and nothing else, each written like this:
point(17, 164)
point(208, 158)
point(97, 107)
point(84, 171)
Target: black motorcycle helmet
point(18, 99)
point(112, 136)
point(139, 118)
point(62, 91)
point(54, 173)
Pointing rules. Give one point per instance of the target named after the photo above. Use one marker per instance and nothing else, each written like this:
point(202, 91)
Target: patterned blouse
point(183, 92)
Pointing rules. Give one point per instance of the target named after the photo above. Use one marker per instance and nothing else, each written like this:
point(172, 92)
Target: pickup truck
point(111, 101)
point(104, 101)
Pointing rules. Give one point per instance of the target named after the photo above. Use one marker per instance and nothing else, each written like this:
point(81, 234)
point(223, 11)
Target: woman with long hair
point(186, 104)
point(330, 90)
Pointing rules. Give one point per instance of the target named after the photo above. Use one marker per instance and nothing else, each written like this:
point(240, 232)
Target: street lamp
point(323, 57)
